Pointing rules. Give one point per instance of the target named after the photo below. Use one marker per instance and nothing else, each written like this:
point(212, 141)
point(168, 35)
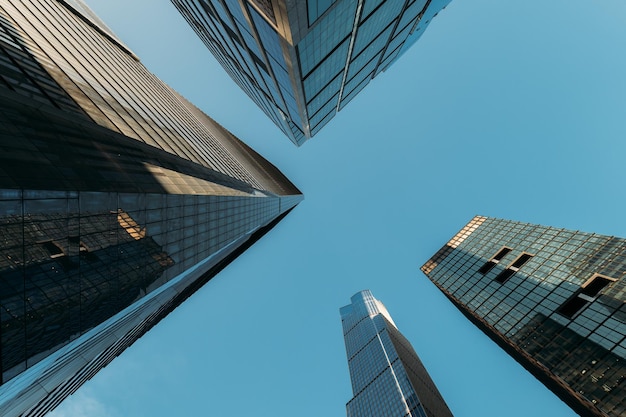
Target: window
point(513, 268)
point(585, 295)
point(496, 258)
point(54, 250)
point(523, 258)
point(504, 275)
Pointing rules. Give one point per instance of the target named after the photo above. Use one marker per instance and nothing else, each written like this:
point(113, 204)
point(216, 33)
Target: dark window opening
point(487, 267)
point(584, 296)
point(53, 249)
point(594, 287)
point(502, 253)
point(496, 258)
point(524, 257)
point(504, 275)
point(572, 306)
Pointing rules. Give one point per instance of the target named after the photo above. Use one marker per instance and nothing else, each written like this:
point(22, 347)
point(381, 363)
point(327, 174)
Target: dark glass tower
point(303, 61)
point(118, 200)
point(388, 379)
point(552, 298)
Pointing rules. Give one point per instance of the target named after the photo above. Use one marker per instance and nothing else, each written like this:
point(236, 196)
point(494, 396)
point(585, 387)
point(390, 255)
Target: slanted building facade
point(118, 200)
point(303, 61)
point(552, 298)
point(388, 378)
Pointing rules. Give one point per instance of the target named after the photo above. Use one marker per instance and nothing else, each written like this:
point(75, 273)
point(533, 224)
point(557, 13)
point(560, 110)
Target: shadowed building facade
point(552, 298)
point(303, 61)
point(118, 200)
point(388, 379)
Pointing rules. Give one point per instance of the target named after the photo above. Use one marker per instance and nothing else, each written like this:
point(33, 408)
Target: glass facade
point(388, 379)
point(302, 62)
point(552, 298)
point(118, 200)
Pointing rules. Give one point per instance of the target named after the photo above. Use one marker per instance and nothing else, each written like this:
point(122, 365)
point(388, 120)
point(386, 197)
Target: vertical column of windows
point(149, 116)
point(20, 71)
point(60, 70)
point(156, 95)
point(103, 74)
point(266, 96)
point(243, 66)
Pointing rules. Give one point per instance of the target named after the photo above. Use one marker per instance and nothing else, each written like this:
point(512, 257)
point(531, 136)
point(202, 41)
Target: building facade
point(303, 61)
point(552, 298)
point(118, 200)
point(388, 379)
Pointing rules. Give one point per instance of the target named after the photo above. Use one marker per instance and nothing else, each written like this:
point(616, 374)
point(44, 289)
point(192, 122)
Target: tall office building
point(303, 61)
point(552, 298)
point(388, 379)
point(118, 200)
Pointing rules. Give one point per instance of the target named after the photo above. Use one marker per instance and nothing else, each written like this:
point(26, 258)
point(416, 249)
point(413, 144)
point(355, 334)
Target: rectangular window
point(54, 250)
point(494, 260)
point(504, 275)
point(585, 295)
point(502, 253)
point(487, 267)
point(598, 283)
point(572, 306)
point(523, 258)
point(513, 268)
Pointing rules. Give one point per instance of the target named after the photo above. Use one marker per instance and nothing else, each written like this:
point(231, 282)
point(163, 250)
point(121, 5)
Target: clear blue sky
point(511, 109)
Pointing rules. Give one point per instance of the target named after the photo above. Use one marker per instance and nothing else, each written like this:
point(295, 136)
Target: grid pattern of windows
point(118, 200)
point(113, 88)
point(388, 379)
point(569, 282)
point(72, 260)
point(317, 54)
point(250, 54)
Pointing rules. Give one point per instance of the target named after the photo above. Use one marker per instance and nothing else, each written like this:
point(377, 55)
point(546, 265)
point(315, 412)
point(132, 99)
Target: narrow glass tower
point(388, 379)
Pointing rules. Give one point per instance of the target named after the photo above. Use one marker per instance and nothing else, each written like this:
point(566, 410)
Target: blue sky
point(510, 109)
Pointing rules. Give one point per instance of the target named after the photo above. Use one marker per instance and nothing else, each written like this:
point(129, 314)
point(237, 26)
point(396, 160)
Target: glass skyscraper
point(388, 379)
point(118, 200)
point(554, 299)
point(303, 61)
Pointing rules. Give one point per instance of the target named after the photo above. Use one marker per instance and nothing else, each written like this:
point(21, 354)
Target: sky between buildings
point(510, 109)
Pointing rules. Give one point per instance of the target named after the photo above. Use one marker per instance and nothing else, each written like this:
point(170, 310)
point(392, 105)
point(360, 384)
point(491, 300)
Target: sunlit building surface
point(552, 298)
point(388, 379)
point(118, 200)
point(303, 61)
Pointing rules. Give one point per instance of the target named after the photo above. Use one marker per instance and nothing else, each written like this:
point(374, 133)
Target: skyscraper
point(552, 298)
point(388, 379)
point(118, 200)
point(303, 61)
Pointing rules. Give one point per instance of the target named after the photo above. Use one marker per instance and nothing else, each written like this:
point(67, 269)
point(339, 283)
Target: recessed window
point(54, 250)
point(513, 268)
point(597, 284)
point(494, 260)
point(585, 295)
point(523, 258)
point(502, 253)
point(572, 306)
point(487, 267)
point(503, 276)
